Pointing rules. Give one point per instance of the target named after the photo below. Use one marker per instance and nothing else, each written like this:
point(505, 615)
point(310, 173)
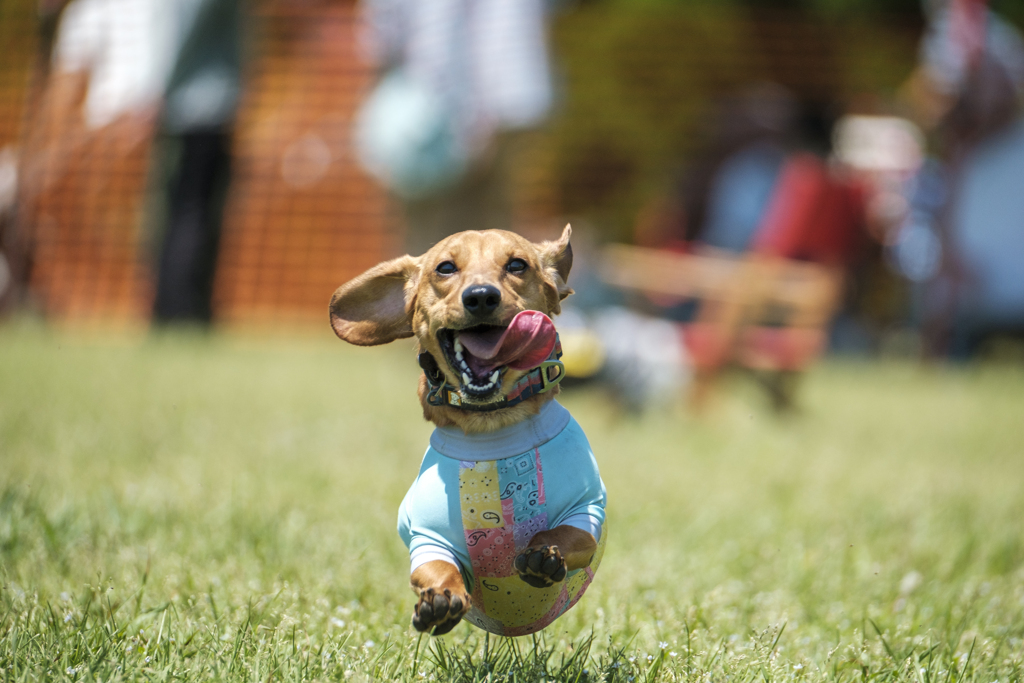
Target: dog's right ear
point(376, 307)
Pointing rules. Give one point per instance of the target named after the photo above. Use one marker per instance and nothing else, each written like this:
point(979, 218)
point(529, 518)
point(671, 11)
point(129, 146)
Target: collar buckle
point(546, 381)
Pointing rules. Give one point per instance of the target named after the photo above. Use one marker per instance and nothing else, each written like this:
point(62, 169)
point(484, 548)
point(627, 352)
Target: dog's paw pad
point(541, 566)
point(440, 611)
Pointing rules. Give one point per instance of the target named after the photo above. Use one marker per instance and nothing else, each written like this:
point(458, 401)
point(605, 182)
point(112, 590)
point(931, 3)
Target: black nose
point(481, 300)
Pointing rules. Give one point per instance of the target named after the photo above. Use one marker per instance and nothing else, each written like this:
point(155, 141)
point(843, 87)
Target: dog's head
point(458, 298)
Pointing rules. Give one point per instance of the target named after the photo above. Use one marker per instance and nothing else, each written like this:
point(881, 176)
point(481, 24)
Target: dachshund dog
point(504, 522)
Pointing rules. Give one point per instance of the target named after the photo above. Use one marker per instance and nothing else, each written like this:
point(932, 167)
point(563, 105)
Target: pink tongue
point(524, 344)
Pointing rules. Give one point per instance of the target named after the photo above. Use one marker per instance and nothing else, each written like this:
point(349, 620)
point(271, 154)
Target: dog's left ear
point(376, 307)
point(556, 257)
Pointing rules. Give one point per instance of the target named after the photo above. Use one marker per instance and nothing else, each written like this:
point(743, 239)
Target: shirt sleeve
point(588, 523)
point(573, 461)
point(430, 520)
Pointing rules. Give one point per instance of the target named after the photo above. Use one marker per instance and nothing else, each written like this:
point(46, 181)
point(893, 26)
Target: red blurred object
point(812, 216)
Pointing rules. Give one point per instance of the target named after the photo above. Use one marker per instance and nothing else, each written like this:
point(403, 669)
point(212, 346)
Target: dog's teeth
point(494, 376)
point(458, 355)
point(465, 379)
point(458, 348)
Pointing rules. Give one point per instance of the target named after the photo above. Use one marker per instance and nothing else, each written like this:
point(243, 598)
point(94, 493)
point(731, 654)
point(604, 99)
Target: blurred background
point(198, 480)
point(751, 183)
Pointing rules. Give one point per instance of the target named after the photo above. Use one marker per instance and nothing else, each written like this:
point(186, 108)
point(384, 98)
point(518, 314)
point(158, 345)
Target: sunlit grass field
point(187, 507)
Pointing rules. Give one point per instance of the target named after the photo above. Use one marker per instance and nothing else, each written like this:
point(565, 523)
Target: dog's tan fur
point(407, 297)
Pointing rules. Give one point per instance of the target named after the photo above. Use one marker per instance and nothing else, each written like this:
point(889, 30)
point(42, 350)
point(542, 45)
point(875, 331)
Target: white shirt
point(488, 58)
point(128, 48)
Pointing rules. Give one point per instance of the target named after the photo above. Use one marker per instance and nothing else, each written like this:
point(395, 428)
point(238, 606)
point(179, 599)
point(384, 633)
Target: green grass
point(194, 508)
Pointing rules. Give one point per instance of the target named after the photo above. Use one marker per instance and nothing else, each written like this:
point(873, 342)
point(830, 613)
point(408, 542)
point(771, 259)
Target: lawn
point(188, 507)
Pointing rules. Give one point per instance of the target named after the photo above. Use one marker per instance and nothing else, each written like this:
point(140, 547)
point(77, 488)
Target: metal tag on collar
point(444, 396)
point(546, 381)
point(433, 397)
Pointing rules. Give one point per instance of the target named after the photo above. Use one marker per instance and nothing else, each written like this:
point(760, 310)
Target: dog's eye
point(516, 265)
point(445, 268)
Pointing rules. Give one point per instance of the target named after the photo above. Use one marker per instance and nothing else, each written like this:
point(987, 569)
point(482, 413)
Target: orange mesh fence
point(302, 218)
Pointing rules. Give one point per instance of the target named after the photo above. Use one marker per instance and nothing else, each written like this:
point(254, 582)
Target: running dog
point(504, 521)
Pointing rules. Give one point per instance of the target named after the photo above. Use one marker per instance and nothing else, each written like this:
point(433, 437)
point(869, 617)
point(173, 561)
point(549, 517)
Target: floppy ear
point(376, 307)
point(557, 259)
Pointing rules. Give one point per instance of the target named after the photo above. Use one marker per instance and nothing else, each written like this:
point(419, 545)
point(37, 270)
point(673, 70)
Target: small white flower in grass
point(650, 658)
point(662, 645)
point(67, 617)
point(798, 666)
point(632, 659)
point(335, 621)
point(147, 660)
point(369, 644)
point(70, 671)
point(673, 654)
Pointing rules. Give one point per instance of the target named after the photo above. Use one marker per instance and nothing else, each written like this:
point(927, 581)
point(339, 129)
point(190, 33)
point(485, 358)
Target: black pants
point(197, 169)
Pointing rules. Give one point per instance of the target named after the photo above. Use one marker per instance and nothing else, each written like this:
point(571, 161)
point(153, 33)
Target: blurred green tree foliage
point(641, 82)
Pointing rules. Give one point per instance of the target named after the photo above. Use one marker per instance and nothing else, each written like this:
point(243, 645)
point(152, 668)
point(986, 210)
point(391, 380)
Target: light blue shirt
point(430, 519)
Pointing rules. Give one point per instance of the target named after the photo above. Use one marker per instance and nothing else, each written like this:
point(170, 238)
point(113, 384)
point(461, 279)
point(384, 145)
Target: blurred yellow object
point(582, 353)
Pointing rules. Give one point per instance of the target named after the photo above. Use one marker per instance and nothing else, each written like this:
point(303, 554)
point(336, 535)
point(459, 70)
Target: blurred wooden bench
point(760, 312)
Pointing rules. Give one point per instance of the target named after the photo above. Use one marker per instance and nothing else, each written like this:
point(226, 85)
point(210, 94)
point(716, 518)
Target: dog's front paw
point(541, 566)
point(441, 611)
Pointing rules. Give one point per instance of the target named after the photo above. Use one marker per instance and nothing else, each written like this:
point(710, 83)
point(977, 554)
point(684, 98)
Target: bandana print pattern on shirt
point(503, 506)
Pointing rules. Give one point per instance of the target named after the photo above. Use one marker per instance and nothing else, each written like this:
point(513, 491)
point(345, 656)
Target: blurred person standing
point(723, 194)
point(192, 158)
point(459, 78)
point(123, 70)
point(963, 242)
point(84, 150)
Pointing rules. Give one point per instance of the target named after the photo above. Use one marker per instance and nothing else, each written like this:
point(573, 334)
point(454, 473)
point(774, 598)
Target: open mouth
point(480, 355)
point(479, 377)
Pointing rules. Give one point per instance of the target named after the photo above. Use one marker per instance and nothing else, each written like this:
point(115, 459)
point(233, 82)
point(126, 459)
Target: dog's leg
point(443, 599)
point(552, 553)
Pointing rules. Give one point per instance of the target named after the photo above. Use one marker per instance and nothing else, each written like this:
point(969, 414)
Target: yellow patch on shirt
point(480, 497)
point(513, 602)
